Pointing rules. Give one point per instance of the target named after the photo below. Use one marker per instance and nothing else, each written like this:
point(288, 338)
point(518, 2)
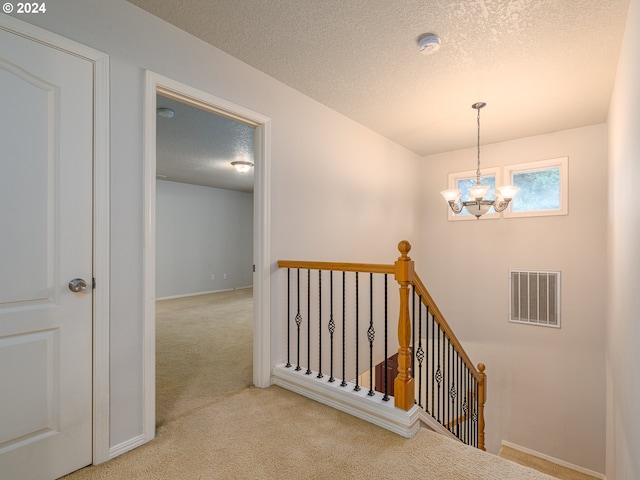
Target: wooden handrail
point(338, 266)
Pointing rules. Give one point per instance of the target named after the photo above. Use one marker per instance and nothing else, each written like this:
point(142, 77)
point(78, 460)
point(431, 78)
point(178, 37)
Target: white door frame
point(154, 84)
point(100, 219)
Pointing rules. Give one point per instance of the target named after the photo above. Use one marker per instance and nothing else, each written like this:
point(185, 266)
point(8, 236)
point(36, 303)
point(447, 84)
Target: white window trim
point(453, 183)
point(563, 164)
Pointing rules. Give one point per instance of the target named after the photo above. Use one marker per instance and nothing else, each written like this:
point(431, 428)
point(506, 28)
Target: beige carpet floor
point(212, 425)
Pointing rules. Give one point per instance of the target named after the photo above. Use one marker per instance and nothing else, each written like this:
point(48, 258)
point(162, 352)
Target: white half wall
point(200, 232)
point(623, 312)
point(338, 190)
point(546, 386)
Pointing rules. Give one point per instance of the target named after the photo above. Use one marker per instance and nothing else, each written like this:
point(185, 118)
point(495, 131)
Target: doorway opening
point(165, 88)
point(204, 257)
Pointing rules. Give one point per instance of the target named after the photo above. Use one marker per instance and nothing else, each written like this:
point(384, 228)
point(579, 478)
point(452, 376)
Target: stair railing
point(451, 390)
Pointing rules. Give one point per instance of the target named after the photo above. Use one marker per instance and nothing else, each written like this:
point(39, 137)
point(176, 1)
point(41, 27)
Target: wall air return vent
point(534, 297)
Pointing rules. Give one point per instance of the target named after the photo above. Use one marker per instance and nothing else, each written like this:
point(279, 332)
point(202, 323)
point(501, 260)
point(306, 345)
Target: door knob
point(77, 285)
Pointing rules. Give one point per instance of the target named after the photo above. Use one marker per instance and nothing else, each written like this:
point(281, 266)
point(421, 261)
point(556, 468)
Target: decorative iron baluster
point(319, 325)
point(426, 355)
point(453, 392)
point(433, 366)
point(298, 320)
point(357, 387)
point(332, 324)
point(444, 380)
point(448, 382)
point(413, 336)
point(371, 335)
point(419, 351)
point(288, 318)
point(308, 372)
point(385, 398)
point(344, 333)
point(438, 378)
point(474, 416)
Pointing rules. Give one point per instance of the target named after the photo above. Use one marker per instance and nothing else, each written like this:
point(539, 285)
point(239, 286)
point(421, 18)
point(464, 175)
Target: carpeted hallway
point(213, 425)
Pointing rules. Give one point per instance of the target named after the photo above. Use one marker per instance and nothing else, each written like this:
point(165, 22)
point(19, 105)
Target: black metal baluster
point(332, 324)
point(319, 325)
point(308, 372)
point(288, 318)
point(371, 335)
point(444, 381)
point(438, 378)
point(465, 405)
point(474, 416)
point(419, 351)
point(386, 338)
point(426, 356)
point(298, 319)
point(344, 334)
point(433, 366)
point(357, 387)
point(413, 338)
point(459, 386)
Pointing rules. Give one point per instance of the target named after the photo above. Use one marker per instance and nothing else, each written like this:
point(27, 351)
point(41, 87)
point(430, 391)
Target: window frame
point(563, 164)
point(453, 179)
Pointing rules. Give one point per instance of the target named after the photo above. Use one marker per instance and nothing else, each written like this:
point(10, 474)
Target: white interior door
point(46, 126)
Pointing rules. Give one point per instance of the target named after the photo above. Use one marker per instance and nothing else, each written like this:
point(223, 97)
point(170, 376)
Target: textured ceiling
point(541, 65)
point(197, 147)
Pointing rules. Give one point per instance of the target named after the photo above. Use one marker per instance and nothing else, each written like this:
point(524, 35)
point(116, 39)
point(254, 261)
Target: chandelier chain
point(478, 170)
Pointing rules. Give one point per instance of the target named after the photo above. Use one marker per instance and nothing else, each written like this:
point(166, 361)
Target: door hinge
point(93, 283)
point(254, 268)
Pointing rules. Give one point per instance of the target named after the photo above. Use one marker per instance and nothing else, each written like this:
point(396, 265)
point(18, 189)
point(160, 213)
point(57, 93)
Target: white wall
point(338, 191)
point(545, 386)
point(623, 313)
point(202, 231)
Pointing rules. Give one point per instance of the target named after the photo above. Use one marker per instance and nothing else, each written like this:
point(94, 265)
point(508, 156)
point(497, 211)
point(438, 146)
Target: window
point(534, 298)
point(464, 180)
point(543, 188)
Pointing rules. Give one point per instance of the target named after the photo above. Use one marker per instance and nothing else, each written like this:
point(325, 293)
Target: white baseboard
point(170, 297)
point(557, 461)
point(124, 447)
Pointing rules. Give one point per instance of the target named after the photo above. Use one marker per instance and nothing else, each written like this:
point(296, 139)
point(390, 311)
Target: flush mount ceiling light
point(477, 205)
point(165, 112)
point(242, 166)
point(428, 43)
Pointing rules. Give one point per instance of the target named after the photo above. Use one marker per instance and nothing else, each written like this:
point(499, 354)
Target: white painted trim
point(124, 447)
point(101, 250)
point(101, 263)
point(195, 294)
point(551, 459)
point(149, 260)
point(155, 83)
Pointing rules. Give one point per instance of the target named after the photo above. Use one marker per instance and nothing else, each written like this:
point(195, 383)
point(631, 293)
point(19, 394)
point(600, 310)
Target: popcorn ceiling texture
point(541, 65)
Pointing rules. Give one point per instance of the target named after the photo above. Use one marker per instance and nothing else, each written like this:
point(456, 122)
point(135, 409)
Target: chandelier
point(476, 204)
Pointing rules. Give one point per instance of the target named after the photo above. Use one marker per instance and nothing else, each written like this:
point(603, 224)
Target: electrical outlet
point(225, 276)
point(213, 276)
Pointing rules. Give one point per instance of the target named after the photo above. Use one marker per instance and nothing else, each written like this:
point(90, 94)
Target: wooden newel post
point(403, 386)
point(482, 398)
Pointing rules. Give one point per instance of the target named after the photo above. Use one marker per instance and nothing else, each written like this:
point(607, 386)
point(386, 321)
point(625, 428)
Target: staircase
point(339, 346)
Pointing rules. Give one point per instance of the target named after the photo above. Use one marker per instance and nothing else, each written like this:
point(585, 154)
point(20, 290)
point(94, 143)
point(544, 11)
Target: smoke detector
point(428, 43)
